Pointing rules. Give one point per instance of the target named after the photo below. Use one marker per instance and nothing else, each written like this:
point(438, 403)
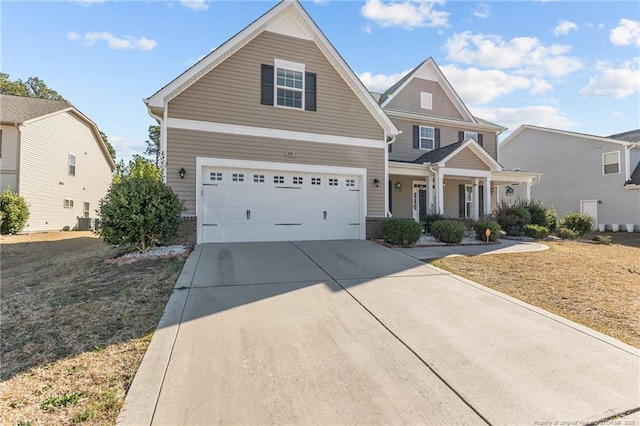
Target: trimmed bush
point(602, 239)
point(566, 234)
point(400, 232)
point(551, 218)
point(536, 231)
point(481, 226)
point(15, 212)
point(578, 223)
point(447, 231)
point(430, 218)
point(139, 210)
point(512, 218)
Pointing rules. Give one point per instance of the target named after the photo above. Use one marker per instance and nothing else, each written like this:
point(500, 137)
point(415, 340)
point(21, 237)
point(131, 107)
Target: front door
point(419, 201)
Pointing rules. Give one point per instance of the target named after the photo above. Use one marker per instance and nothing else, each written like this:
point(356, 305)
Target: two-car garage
point(243, 201)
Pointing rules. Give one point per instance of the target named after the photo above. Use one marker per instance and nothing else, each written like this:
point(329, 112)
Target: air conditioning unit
point(85, 224)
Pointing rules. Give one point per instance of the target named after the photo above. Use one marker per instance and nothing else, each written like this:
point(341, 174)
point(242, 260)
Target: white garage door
point(266, 205)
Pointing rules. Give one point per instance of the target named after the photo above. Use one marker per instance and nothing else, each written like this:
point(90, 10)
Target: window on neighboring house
point(87, 210)
point(68, 204)
point(286, 84)
point(427, 138)
point(426, 100)
point(611, 163)
point(72, 165)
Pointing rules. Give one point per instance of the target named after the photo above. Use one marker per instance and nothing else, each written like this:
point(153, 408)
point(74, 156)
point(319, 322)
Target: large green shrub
point(15, 212)
point(480, 227)
point(536, 231)
point(400, 232)
point(430, 218)
point(578, 223)
point(447, 231)
point(512, 218)
point(552, 218)
point(139, 210)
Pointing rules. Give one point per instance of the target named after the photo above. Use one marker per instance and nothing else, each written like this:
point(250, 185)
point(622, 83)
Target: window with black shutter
point(286, 84)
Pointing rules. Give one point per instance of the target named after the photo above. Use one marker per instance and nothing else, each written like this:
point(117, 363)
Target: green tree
point(33, 88)
point(14, 212)
point(153, 145)
point(112, 150)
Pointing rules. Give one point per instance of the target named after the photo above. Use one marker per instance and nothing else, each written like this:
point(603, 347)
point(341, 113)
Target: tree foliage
point(139, 210)
point(153, 145)
point(14, 212)
point(33, 88)
point(112, 150)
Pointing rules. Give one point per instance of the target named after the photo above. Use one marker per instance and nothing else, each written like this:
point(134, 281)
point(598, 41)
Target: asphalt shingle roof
point(437, 155)
point(18, 109)
point(630, 136)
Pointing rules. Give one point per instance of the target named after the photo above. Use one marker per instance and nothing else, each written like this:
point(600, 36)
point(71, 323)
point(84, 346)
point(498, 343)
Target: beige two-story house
point(272, 137)
point(53, 156)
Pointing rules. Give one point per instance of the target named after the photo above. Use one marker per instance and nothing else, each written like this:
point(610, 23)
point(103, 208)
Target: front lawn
point(594, 285)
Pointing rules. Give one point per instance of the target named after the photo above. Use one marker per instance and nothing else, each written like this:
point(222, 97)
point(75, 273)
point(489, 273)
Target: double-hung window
point(72, 165)
point(611, 163)
point(471, 135)
point(427, 138)
point(289, 84)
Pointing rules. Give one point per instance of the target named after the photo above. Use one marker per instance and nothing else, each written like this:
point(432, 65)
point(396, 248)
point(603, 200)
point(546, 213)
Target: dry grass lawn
point(591, 284)
point(74, 329)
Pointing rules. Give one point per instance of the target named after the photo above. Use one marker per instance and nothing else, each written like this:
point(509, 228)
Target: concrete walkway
point(501, 247)
point(344, 332)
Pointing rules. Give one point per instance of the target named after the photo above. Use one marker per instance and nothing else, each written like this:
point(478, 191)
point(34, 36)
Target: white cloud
point(408, 14)
point(380, 82)
point(477, 86)
point(626, 33)
point(126, 148)
point(618, 82)
point(527, 55)
point(564, 27)
point(195, 4)
point(367, 28)
point(537, 115)
point(481, 11)
point(87, 2)
point(113, 42)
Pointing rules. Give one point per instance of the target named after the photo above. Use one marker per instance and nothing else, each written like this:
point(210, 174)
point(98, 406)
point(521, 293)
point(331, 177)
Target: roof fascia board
point(476, 149)
point(402, 114)
point(564, 133)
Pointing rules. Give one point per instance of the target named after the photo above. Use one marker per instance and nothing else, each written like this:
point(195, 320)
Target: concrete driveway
point(344, 332)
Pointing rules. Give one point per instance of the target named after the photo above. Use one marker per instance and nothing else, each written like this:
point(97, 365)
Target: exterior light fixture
point(376, 182)
point(182, 172)
point(398, 186)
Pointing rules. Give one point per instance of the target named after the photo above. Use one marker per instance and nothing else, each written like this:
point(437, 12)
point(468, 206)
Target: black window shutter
point(481, 200)
point(310, 91)
point(461, 200)
point(416, 137)
point(390, 147)
point(480, 138)
point(436, 138)
point(460, 136)
point(390, 197)
point(266, 96)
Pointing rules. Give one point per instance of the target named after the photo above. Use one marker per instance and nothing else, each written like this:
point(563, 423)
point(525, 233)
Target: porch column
point(440, 192)
point(476, 199)
point(431, 194)
point(528, 185)
point(487, 197)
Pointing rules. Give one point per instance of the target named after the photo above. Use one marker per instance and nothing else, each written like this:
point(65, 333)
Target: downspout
point(627, 159)
point(18, 157)
point(385, 182)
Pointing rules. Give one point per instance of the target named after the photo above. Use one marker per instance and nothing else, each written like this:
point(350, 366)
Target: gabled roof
point(630, 136)
point(441, 155)
point(437, 155)
point(430, 68)
point(23, 109)
point(293, 19)
point(18, 109)
point(585, 136)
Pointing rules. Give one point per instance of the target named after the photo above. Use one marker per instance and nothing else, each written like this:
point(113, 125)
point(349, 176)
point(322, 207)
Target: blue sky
point(563, 64)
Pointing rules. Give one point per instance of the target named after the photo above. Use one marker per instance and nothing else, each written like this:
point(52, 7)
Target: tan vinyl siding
point(403, 146)
point(9, 157)
point(467, 159)
point(230, 93)
point(185, 145)
point(44, 178)
point(408, 100)
point(401, 199)
point(451, 196)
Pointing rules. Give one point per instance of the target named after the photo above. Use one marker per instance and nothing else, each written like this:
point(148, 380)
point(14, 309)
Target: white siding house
point(54, 157)
point(596, 175)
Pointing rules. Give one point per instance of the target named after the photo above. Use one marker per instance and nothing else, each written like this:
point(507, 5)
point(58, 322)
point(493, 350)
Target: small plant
point(430, 218)
point(60, 401)
point(578, 223)
point(14, 211)
point(480, 227)
point(566, 234)
point(447, 231)
point(602, 239)
point(537, 231)
point(402, 232)
point(512, 218)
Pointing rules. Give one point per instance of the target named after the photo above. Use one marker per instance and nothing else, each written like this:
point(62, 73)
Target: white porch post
point(528, 191)
point(487, 197)
point(476, 199)
point(440, 192)
point(431, 193)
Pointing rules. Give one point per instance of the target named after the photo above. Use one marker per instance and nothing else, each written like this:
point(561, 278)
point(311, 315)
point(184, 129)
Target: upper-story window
point(427, 138)
point(287, 84)
point(426, 100)
point(611, 163)
point(471, 135)
point(72, 165)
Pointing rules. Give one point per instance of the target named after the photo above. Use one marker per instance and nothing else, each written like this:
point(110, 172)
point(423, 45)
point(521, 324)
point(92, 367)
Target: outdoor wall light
point(182, 172)
point(398, 186)
point(376, 182)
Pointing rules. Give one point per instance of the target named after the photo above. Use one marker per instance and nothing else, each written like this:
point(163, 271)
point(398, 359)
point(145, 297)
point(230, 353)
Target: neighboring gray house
point(596, 175)
point(54, 156)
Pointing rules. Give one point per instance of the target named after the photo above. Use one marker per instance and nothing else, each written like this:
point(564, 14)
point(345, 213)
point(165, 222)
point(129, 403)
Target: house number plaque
point(289, 154)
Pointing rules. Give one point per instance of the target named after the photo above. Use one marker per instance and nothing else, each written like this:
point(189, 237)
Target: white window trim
point(75, 167)
point(467, 136)
point(426, 100)
point(617, 162)
point(432, 139)
point(293, 66)
point(68, 203)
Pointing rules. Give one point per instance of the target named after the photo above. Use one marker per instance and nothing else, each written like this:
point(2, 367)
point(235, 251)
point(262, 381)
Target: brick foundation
point(373, 227)
point(187, 232)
